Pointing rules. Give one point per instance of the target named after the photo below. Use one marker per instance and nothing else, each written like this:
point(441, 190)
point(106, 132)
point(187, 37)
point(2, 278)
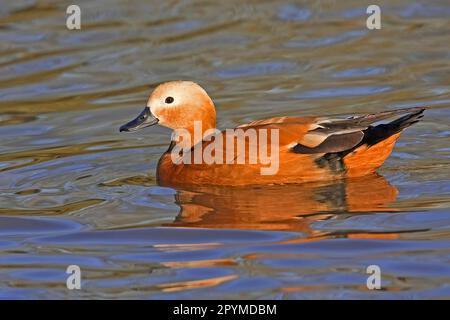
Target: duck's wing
point(328, 135)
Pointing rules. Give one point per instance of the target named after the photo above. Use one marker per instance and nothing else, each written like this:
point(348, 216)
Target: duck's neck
point(188, 137)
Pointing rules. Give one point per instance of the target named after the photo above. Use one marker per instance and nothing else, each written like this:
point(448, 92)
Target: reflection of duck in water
point(308, 148)
point(282, 207)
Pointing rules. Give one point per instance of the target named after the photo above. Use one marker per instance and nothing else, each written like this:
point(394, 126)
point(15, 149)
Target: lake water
point(73, 190)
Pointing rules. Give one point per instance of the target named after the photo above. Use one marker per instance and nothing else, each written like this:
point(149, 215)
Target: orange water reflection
point(283, 207)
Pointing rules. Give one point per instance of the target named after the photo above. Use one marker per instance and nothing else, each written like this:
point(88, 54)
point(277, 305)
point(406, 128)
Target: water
point(75, 191)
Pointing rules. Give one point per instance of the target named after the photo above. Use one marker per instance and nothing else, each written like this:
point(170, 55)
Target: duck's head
point(176, 105)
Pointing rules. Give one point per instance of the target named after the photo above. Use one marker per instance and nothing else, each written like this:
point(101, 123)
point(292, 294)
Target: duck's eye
point(169, 100)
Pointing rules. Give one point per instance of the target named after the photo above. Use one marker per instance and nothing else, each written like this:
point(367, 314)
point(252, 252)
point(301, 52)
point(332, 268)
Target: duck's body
point(346, 156)
point(309, 148)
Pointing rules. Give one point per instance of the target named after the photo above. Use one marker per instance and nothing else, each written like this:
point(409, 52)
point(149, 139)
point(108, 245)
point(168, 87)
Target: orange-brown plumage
point(308, 148)
point(366, 159)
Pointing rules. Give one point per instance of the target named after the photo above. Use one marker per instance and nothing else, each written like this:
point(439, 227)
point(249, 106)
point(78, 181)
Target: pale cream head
point(177, 104)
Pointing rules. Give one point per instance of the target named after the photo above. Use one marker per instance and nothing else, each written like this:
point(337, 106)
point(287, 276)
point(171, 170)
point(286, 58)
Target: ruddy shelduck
point(307, 148)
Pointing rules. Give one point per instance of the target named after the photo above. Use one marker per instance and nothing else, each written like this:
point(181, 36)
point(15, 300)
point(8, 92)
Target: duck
point(298, 149)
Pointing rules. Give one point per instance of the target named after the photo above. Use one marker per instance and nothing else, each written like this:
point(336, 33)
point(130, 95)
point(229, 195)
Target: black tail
point(378, 133)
